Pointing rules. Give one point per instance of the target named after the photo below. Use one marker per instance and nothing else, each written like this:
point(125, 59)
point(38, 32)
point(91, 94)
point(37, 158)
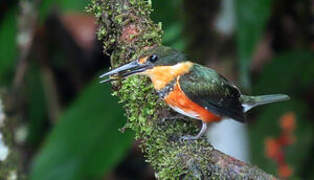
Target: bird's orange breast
point(163, 75)
point(178, 100)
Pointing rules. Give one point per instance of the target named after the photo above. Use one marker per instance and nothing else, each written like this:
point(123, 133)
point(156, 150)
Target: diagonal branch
point(126, 29)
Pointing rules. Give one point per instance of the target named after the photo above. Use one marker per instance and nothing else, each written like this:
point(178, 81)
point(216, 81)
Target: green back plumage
point(212, 91)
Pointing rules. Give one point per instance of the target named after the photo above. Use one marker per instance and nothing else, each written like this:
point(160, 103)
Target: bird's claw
point(164, 119)
point(188, 138)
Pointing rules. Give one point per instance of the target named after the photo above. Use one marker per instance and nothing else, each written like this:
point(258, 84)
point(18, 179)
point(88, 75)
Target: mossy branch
point(126, 29)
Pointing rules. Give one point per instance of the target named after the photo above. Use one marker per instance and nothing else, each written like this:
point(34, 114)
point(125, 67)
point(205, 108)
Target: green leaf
point(168, 12)
point(289, 72)
point(8, 47)
point(65, 5)
point(37, 110)
point(251, 17)
point(85, 143)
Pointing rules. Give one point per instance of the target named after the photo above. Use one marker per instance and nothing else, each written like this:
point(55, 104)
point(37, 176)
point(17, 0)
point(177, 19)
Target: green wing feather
point(212, 91)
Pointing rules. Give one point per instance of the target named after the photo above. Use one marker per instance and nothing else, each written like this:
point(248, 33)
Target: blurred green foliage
point(38, 113)
point(85, 143)
point(8, 46)
point(47, 6)
point(290, 73)
point(172, 23)
point(251, 18)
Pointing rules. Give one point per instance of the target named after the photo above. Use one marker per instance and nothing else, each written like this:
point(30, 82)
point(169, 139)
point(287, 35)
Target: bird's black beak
point(125, 70)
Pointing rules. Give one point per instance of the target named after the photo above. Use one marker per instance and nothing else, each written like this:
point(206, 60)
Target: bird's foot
point(175, 117)
point(200, 134)
point(189, 138)
point(179, 116)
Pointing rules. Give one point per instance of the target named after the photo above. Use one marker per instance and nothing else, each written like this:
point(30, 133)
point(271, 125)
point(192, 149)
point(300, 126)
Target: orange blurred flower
point(287, 122)
point(284, 171)
point(274, 147)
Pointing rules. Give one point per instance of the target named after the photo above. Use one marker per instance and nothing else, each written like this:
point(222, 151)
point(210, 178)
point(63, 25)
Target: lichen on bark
point(11, 166)
point(126, 30)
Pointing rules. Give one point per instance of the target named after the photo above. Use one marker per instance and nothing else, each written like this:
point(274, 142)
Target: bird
point(191, 89)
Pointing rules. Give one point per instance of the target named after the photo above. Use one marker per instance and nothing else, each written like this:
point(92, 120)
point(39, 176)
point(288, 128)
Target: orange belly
point(181, 103)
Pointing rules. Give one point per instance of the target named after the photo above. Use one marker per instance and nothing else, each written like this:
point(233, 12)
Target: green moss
point(113, 15)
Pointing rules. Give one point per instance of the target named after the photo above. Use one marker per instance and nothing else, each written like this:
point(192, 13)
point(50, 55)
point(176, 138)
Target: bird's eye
point(153, 58)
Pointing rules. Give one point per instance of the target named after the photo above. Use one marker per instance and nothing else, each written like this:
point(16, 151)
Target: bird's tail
point(249, 102)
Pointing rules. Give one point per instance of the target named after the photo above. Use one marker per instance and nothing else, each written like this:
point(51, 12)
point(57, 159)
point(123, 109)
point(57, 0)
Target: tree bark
point(126, 30)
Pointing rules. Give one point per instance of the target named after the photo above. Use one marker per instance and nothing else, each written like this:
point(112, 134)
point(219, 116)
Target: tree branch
point(126, 30)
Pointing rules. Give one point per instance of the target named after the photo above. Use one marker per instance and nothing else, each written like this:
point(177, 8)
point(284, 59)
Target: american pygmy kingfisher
point(191, 89)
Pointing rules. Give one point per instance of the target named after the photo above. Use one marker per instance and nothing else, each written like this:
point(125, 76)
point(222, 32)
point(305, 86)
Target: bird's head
point(152, 58)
